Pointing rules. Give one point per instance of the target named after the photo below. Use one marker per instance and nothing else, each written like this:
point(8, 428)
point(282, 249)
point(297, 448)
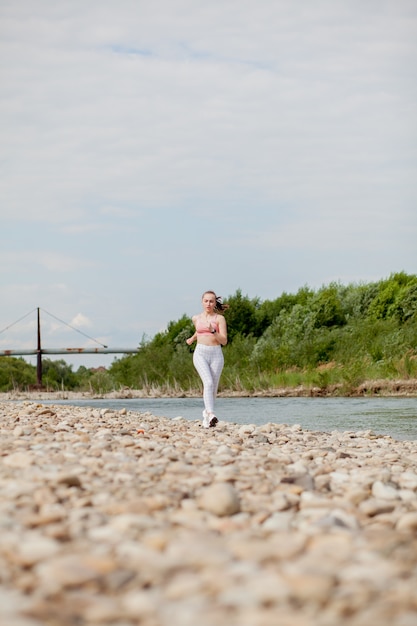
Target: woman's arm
point(191, 340)
point(221, 336)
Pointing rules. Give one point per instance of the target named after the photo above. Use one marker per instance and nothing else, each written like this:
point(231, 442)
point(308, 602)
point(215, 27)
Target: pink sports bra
point(202, 327)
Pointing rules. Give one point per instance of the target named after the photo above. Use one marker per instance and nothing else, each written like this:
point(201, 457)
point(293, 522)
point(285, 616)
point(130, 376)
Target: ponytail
point(220, 305)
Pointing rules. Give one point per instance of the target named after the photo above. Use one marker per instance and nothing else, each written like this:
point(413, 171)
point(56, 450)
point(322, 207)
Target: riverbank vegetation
point(332, 340)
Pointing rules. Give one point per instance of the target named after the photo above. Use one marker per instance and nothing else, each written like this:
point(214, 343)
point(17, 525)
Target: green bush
point(16, 374)
point(361, 328)
point(58, 375)
point(101, 382)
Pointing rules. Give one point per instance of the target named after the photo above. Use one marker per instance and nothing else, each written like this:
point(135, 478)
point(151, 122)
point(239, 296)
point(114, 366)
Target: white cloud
point(49, 261)
point(80, 321)
point(152, 129)
point(148, 145)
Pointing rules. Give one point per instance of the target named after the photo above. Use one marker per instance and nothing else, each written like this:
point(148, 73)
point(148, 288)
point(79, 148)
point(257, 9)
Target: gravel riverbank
point(130, 519)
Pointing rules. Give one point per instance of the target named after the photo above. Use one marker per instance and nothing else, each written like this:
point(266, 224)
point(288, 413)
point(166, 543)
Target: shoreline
point(375, 388)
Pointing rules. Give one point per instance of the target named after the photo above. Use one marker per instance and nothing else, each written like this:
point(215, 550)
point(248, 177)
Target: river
point(396, 417)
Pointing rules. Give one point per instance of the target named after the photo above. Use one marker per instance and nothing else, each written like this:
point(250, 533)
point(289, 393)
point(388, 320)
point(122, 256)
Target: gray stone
point(220, 499)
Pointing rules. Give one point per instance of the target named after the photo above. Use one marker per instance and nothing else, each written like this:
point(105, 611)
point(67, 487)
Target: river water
point(396, 417)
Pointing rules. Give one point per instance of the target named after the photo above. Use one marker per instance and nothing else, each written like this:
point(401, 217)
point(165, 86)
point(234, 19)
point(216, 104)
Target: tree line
point(335, 336)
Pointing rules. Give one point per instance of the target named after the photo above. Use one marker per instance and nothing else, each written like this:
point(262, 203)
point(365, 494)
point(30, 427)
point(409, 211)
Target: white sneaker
point(212, 420)
point(206, 421)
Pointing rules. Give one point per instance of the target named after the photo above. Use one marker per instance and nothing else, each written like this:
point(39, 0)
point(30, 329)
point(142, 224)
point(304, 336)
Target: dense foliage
point(335, 335)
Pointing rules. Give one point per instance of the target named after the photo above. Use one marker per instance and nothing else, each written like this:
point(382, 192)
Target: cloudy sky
point(153, 149)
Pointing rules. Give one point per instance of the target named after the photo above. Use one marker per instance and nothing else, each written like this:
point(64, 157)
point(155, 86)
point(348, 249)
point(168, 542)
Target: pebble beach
point(131, 519)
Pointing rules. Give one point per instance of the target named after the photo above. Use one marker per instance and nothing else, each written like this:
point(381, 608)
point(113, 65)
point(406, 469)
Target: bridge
point(39, 350)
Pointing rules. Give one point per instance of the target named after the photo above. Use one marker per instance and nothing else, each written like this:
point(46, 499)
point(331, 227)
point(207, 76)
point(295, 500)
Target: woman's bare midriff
point(208, 340)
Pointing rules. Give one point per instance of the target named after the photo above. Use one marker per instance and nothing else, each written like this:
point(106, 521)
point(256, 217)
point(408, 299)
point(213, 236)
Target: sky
point(153, 149)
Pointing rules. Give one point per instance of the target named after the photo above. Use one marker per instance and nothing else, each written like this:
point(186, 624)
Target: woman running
point(211, 335)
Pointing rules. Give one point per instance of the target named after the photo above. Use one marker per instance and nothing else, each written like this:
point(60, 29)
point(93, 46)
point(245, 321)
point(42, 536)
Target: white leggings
point(209, 361)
